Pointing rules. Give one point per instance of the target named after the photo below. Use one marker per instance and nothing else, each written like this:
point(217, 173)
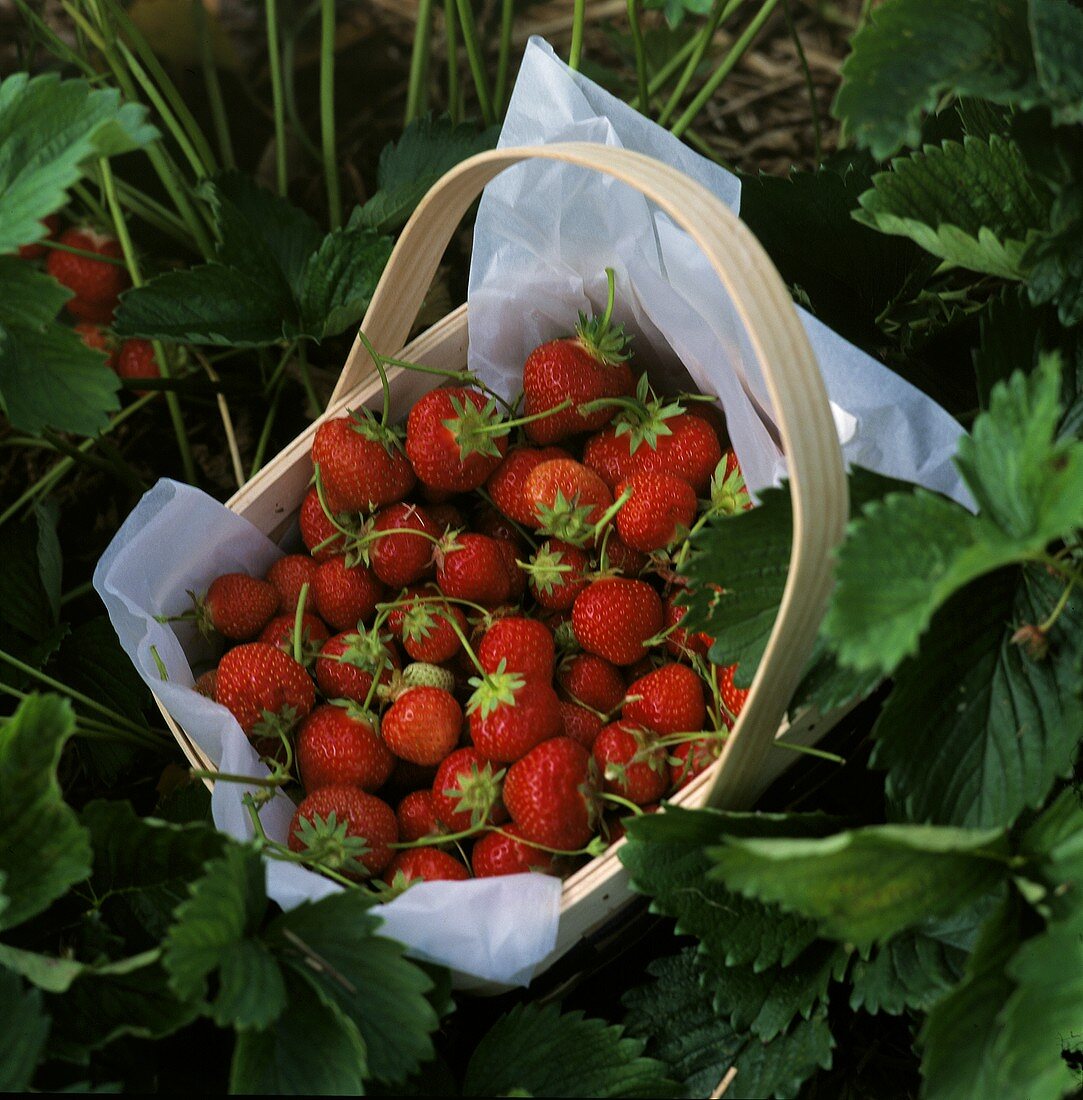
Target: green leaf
point(337, 281)
point(92, 661)
point(972, 205)
point(866, 885)
point(214, 932)
point(996, 725)
point(1057, 30)
point(209, 304)
point(24, 1028)
point(1056, 837)
point(332, 945)
point(49, 128)
point(428, 148)
point(26, 598)
point(909, 53)
point(50, 562)
point(1043, 1014)
point(43, 850)
point(911, 971)
point(541, 1052)
point(779, 1068)
point(47, 972)
point(311, 1049)
point(675, 9)
point(1055, 258)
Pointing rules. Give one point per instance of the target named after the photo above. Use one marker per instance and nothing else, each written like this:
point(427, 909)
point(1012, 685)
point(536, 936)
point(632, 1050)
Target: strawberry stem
point(616, 799)
point(502, 427)
point(591, 849)
point(378, 363)
point(810, 750)
point(298, 617)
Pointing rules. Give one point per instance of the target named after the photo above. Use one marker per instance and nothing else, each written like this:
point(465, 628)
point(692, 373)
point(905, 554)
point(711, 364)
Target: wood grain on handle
point(807, 430)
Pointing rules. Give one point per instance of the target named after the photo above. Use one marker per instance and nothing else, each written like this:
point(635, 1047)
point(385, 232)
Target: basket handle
point(807, 430)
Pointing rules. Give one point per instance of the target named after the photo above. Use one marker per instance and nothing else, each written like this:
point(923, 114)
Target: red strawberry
point(622, 558)
point(289, 575)
point(678, 642)
point(399, 558)
point(263, 688)
point(136, 359)
point(580, 724)
point(279, 632)
point(96, 338)
point(319, 534)
point(568, 500)
point(346, 595)
point(472, 567)
point(361, 462)
point(690, 758)
point(509, 716)
point(516, 576)
point(507, 482)
point(346, 664)
point(503, 854)
point(729, 494)
point(426, 865)
point(631, 762)
point(96, 284)
point(591, 681)
point(660, 510)
point(345, 829)
point(417, 816)
point(714, 416)
point(525, 646)
point(338, 747)
point(586, 367)
point(427, 632)
point(446, 517)
point(733, 698)
point(667, 700)
point(237, 606)
point(615, 618)
point(454, 438)
point(423, 725)
point(466, 791)
point(552, 794)
point(558, 573)
point(33, 251)
point(207, 683)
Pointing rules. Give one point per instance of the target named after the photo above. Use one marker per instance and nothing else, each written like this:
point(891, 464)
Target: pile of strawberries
point(96, 286)
point(478, 667)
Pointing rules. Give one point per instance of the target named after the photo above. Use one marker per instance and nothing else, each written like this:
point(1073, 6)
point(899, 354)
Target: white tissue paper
point(544, 234)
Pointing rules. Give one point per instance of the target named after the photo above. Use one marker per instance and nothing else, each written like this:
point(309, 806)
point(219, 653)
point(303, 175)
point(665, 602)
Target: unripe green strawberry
point(422, 674)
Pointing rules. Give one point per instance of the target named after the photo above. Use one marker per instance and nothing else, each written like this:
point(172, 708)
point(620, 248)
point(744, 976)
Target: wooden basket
point(750, 761)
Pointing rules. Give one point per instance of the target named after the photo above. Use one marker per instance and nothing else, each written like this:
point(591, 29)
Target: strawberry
point(96, 338)
point(319, 534)
point(417, 816)
point(345, 829)
point(472, 567)
point(207, 683)
point(713, 416)
point(424, 865)
point(346, 595)
point(557, 574)
point(337, 746)
point(346, 663)
point(620, 557)
point(615, 618)
point(237, 606)
point(631, 762)
point(361, 462)
point(591, 681)
point(567, 499)
point(520, 645)
point(266, 690)
point(454, 438)
point(667, 700)
point(733, 698)
point(507, 482)
point(516, 576)
point(580, 724)
point(397, 557)
point(423, 725)
point(678, 641)
point(466, 791)
point(690, 758)
point(585, 367)
point(136, 359)
point(96, 284)
point(289, 575)
point(504, 853)
point(447, 517)
point(509, 715)
point(427, 632)
point(660, 510)
point(33, 251)
point(552, 794)
point(279, 632)
point(423, 674)
point(729, 494)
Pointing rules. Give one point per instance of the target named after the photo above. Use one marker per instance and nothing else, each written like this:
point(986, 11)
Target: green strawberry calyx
point(598, 336)
point(494, 690)
point(365, 423)
point(566, 520)
point(324, 841)
point(476, 792)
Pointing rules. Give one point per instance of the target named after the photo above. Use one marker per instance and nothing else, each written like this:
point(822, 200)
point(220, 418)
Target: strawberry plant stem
point(172, 402)
point(117, 467)
point(657, 82)
point(507, 17)
point(289, 87)
point(736, 52)
point(809, 750)
point(451, 46)
point(214, 88)
point(154, 213)
point(227, 420)
point(474, 58)
point(298, 619)
point(640, 54)
point(315, 407)
point(575, 52)
point(274, 62)
point(702, 42)
point(417, 90)
point(814, 108)
point(97, 256)
point(327, 112)
point(617, 800)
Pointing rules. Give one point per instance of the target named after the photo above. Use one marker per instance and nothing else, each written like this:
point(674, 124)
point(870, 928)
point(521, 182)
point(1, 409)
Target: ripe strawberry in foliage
point(279, 632)
point(615, 617)
point(323, 540)
point(337, 746)
point(345, 829)
point(346, 595)
point(507, 482)
point(97, 339)
point(427, 629)
point(733, 698)
point(631, 762)
point(361, 462)
point(454, 438)
point(509, 715)
point(466, 791)
point(591, 681)
point(667, 700)
point(678, 641)
point(96, 284)
point(424, 865)
point(423, 725)
point(397, 557)
point(690, 758)
point(660, 510)
point(289, 575)
point(472, 567)
point(347, 662)
point(580, 724)
point(136, 359)
point(525, 646)
point(417, 816)
point(237, 606)
point(264, 689)
point(568, 499)
point(552, 794)
point(505, 853)
point(584, 367)
point(557, 574)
